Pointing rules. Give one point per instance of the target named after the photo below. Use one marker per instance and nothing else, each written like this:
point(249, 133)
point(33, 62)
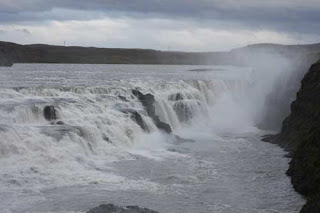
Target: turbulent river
point(103, 146)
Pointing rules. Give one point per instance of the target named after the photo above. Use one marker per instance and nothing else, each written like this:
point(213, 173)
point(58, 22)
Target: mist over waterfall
point(95, 120)
point(150, 106)
point(66, 130)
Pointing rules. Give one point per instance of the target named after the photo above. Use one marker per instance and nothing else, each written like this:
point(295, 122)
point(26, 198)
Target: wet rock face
point(136, 117)
point(110, 208)
point(49, 113)
point(147, 101)
point(300, 135)
point(312, 205)
point(163, 126)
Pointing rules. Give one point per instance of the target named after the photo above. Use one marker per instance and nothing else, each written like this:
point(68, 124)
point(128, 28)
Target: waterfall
point(56, 133)
point(99, 115)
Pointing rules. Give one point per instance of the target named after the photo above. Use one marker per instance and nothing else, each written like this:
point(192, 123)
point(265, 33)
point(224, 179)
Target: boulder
point(163, 126)
point(49, 113)
point(110, 208)
point(60, 123)
point(136, 117)
point(147, 101)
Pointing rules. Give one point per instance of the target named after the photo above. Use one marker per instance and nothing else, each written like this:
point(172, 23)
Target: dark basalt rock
point(136, 117)
point(60, 123)
point(110, 208)
point(163, 126)
point(147, 101)
point(106, 138)
point(300, 135)
point(49, 113)
point(312, 205)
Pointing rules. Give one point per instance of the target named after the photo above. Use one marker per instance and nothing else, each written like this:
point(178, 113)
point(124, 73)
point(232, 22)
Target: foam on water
point(98, 128)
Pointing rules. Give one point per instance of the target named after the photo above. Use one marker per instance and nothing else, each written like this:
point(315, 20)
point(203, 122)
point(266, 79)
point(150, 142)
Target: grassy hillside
point(13, 53)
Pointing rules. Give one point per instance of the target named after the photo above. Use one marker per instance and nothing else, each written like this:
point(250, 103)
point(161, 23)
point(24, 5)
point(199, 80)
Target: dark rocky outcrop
point(312, 205)
point(147, 101)
point(300, 135)
point(49, 113)
point(110, 208)
point(136, 117)
point(60, 123)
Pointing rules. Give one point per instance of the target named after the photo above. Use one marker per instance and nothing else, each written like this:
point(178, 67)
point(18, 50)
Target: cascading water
point(55, 134)
point(94, 121)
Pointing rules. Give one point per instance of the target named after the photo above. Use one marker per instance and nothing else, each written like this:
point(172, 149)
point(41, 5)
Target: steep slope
point(300, 135)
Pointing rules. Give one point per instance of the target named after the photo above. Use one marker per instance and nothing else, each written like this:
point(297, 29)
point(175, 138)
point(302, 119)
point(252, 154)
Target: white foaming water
point(95, 104)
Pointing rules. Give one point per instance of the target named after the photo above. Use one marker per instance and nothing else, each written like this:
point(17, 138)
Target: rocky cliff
point(300, 135)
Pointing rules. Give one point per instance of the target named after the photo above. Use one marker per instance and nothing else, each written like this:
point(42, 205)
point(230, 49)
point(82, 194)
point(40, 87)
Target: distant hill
point(11, 53)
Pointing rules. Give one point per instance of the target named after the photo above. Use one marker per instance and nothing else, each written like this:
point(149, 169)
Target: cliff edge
point(300, 135)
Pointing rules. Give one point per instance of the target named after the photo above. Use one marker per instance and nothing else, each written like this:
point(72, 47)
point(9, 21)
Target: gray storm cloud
point(292, 20)
point(280, 15)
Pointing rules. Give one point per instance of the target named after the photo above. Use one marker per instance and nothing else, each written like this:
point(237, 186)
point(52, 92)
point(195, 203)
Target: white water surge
point(94, 129)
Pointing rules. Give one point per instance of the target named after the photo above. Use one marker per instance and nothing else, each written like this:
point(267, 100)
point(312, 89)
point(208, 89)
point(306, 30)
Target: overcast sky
point(185, 25)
